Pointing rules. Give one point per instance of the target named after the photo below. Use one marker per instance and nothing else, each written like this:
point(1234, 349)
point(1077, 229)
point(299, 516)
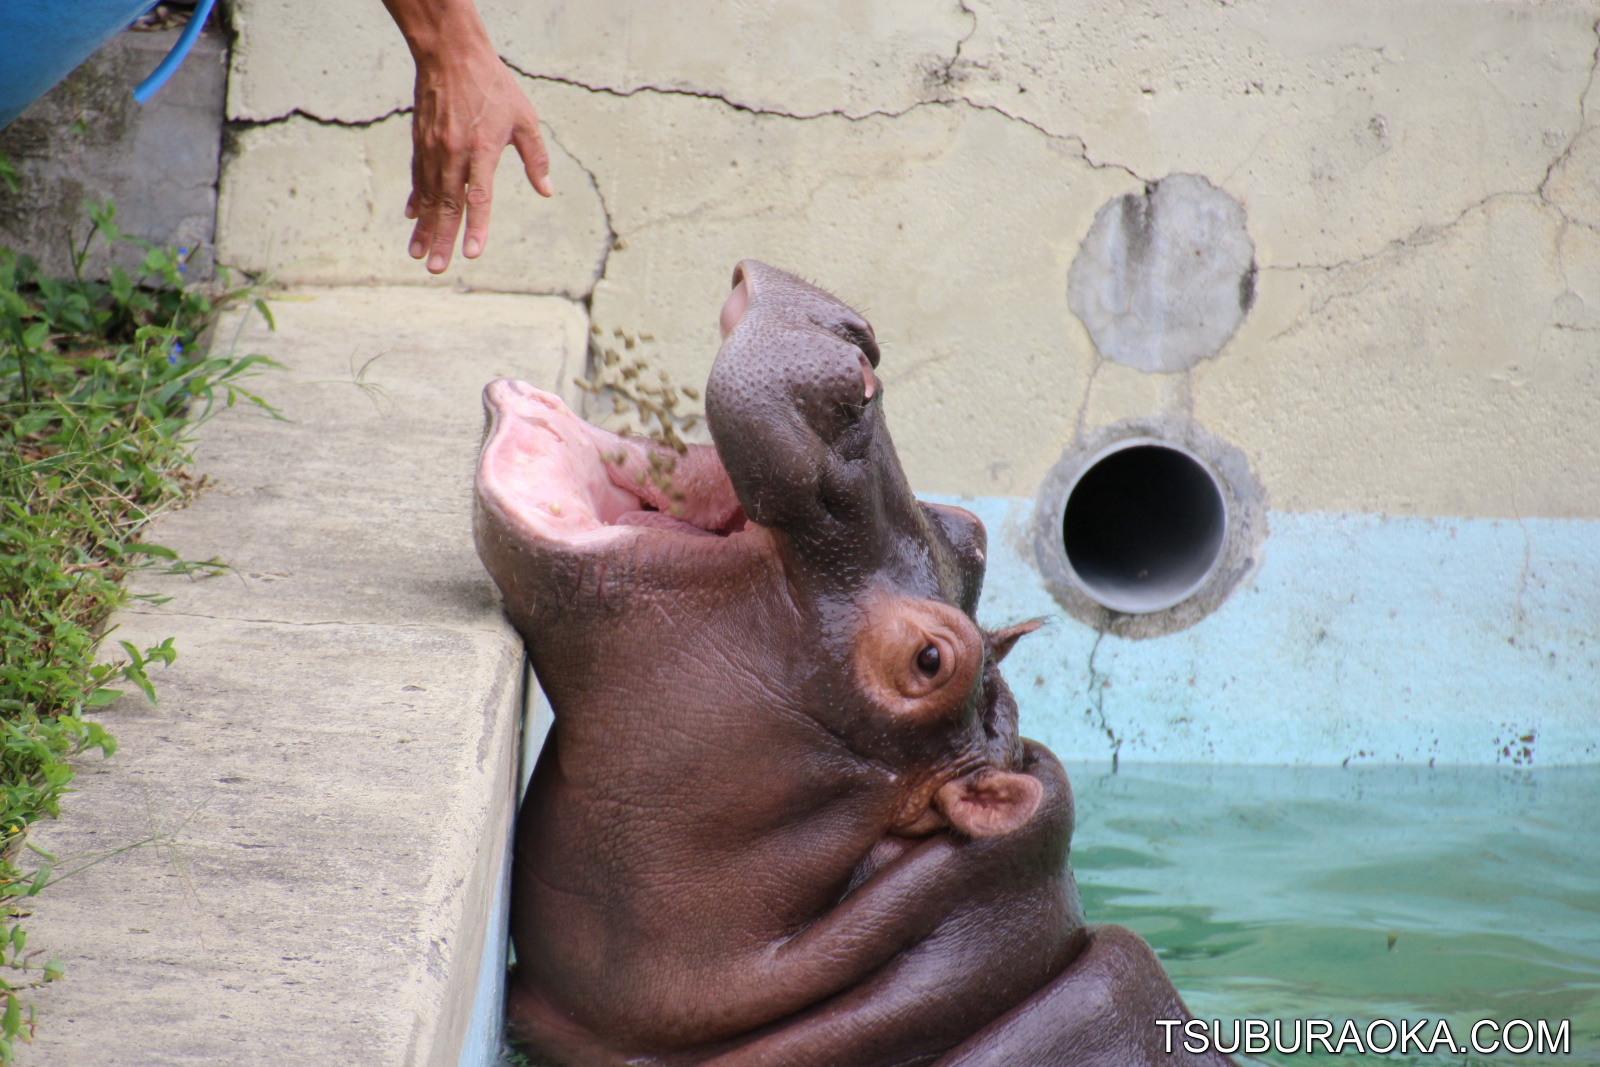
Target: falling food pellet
point(555, 509)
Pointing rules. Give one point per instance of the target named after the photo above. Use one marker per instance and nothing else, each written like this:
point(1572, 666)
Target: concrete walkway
point(301, 842)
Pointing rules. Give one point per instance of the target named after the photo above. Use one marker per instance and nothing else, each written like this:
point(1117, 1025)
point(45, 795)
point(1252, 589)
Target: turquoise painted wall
point(1360, 639)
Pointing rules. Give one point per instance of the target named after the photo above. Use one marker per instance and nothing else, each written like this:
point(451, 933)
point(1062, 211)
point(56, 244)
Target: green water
point(1386, 893)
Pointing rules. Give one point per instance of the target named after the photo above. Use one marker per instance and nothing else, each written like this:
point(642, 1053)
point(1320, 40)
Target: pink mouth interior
point(559, 477)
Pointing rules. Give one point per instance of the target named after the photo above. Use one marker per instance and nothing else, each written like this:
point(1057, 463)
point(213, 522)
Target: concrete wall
point(87, 139)
point(1415, 384)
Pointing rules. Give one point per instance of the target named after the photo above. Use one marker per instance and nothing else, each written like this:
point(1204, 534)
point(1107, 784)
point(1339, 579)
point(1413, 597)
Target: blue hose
point(159, 76)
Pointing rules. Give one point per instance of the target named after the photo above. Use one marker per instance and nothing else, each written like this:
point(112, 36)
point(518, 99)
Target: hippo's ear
point(1002, 640)
point(990, 803)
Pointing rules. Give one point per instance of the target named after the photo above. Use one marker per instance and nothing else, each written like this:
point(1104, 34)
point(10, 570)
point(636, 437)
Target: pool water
point(1396, 893)
point(1363, 893)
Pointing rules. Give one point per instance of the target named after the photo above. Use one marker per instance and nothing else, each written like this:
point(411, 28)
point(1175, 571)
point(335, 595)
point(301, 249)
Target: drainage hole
point(1144, 526)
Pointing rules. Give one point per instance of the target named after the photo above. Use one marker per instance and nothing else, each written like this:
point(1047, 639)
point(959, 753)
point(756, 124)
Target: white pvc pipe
point(1144, 525)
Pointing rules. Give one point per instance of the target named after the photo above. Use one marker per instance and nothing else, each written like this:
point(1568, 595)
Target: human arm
point(469, 107)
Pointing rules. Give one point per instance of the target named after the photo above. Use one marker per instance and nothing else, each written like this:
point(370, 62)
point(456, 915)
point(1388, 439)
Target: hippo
point(785, 814)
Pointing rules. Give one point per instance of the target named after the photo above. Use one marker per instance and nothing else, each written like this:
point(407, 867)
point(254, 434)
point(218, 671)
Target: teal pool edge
point(1359, 638)
point(484, 1045)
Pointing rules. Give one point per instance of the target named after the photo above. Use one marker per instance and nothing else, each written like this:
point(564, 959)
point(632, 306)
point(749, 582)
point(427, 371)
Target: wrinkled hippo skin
point(784, 815)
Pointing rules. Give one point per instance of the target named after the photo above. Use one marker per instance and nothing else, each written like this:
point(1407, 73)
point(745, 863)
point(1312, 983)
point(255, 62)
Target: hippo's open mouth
point(551, 476)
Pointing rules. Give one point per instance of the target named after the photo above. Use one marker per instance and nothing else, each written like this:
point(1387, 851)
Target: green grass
point(101, 385)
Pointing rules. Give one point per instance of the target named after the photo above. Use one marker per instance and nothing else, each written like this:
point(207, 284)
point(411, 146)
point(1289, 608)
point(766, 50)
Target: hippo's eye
point(928, 660)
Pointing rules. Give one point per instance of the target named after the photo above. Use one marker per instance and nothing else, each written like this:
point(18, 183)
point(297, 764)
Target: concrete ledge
point(303, 840)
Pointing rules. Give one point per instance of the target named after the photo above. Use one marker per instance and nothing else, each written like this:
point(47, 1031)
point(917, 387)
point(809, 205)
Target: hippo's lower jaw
point(548, 475)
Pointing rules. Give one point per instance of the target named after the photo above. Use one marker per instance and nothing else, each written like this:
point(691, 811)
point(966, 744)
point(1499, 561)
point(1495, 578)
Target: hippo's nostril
point(733, 308)
point(860, 335)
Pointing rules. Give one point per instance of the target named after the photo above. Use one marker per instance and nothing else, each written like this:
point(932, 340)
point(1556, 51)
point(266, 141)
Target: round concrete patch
point(1163, 279)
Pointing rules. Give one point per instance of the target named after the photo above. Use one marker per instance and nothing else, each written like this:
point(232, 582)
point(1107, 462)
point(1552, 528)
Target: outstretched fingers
point(440, 163)
point(469, 108)
point(439, 217)
point(480, 193)
point(529, 142)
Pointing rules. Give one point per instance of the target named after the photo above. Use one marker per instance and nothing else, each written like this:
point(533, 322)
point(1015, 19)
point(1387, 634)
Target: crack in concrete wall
point(311, 116)
point(949, 100)
point(952, 72)
point(946, 77)
point(1096, 689)
point(710, 94)
point(952, 100)
point(587, 298)
point(1424, 235)
point(1583, 114)
point(1428, 233)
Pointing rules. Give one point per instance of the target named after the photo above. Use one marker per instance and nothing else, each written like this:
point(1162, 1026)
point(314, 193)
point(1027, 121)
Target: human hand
point(469, 107)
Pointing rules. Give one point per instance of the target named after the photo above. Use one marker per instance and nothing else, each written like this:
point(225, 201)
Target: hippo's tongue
point(560, 478)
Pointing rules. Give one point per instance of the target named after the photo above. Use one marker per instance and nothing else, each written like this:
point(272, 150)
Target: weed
point(101, 385)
